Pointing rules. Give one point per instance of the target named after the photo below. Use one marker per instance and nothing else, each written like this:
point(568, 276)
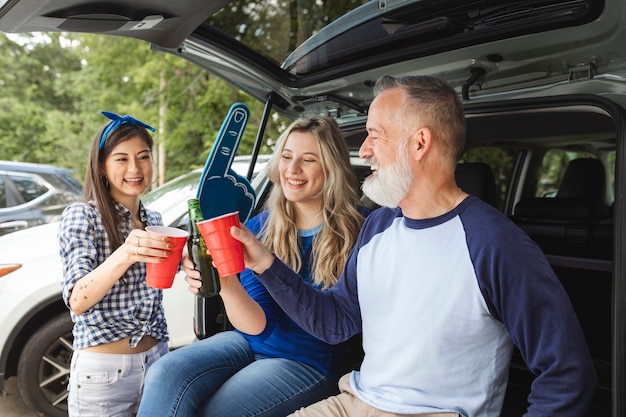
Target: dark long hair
point(97, 186)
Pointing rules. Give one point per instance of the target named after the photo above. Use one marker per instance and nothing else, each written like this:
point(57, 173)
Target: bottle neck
point(195, 216)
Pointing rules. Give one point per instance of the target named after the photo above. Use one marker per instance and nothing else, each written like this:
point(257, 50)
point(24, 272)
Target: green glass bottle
point(198, 252)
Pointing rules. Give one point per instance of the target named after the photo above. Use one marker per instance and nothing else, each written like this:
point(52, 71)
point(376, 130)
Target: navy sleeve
point(523, 292)
point(332, 315)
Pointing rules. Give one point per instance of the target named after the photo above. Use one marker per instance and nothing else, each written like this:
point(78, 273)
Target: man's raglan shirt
point(441, 303)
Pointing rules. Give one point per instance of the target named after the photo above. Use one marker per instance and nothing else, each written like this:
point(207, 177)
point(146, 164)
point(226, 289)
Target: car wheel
point(44, 367)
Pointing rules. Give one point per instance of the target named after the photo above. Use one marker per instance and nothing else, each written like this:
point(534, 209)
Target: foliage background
point(54, 86)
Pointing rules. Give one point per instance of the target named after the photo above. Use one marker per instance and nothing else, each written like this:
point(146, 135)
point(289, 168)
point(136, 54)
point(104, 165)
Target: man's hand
point(255, 255)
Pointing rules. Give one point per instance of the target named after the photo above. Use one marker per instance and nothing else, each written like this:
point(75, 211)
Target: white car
point(35, 325)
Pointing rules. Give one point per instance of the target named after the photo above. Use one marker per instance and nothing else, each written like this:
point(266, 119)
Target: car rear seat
point(575, 231)
point(577, 221)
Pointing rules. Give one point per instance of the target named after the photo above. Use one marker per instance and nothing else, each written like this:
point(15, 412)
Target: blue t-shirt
point(282, 337)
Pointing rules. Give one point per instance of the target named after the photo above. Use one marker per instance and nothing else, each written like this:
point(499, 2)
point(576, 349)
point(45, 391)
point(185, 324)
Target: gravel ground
point(11, 404)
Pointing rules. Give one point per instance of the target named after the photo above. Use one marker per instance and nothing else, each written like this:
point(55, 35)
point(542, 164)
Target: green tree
point(183, 101)
point(56, 85)
point(30, 72)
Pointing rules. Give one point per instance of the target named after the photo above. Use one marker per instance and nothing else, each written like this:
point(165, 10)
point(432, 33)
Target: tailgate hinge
point(384, 4)
point(581, 72)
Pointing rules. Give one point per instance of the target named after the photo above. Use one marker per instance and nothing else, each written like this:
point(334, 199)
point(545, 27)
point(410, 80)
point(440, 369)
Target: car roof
point(32, 167)
point(331, 54)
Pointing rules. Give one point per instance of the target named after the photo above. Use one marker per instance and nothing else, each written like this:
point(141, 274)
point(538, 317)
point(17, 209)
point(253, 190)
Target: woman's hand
point(192, 277)
point(144, 246)
point(139, 246)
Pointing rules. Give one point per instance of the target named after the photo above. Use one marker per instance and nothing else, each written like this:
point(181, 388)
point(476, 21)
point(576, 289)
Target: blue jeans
point(220, 377)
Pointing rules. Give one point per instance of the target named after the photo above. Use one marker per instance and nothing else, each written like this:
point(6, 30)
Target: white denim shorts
point(108, 385)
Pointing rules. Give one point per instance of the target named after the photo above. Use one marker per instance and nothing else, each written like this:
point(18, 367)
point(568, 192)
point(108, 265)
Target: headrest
point(584, 177)
point(580, 195)
point(476, 178)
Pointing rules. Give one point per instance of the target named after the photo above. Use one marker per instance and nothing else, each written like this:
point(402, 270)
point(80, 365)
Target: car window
point(552, 169)
point(262, 25)
point(609, 163)
point(544, 177)
point(173, 190)
point(171, 198)
point(64, 183)
point(317, 37)
point(29, 187)
point(59, 199)
point(66, 190)
point(3, 194)
point(555, 162)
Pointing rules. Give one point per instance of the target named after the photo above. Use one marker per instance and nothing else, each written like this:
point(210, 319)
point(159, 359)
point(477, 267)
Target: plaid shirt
point(134, 310)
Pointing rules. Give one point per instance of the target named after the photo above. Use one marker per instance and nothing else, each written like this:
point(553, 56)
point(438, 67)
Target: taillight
point(8, 268)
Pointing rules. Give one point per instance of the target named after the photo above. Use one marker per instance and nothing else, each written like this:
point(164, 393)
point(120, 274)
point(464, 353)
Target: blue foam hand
point(221, 190)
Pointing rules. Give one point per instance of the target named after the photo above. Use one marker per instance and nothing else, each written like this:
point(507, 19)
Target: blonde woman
point(269, 366)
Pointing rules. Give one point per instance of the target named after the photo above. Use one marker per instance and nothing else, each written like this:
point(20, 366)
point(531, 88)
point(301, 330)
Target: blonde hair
point(341, 221)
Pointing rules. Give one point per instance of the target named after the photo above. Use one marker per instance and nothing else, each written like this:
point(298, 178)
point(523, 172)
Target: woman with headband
point(119, 322)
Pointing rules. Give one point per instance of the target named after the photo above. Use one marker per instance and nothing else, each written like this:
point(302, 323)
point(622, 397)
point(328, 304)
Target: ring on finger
point(136, 250)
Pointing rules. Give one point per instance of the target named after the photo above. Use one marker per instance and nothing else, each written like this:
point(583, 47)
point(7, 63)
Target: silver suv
point(33, 194)
point(543, 83)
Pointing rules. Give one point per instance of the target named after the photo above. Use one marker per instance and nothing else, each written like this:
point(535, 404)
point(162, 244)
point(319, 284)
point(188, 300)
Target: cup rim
point(219, 217)
point(168, 231)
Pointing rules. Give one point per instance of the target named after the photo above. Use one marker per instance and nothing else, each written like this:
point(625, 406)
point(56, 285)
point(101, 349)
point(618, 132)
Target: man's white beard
point(391, 184)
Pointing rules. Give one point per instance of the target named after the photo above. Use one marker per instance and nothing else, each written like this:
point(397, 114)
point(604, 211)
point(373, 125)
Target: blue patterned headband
point(117, 121)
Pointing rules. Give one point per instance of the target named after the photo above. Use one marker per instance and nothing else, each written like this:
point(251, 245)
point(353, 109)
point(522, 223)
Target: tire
point(44, 367)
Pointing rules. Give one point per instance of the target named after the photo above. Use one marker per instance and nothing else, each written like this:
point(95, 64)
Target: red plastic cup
point(226, 251)
point(162, 275)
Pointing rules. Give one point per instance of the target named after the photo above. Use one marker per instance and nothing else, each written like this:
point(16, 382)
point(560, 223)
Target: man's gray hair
point(437, 105)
